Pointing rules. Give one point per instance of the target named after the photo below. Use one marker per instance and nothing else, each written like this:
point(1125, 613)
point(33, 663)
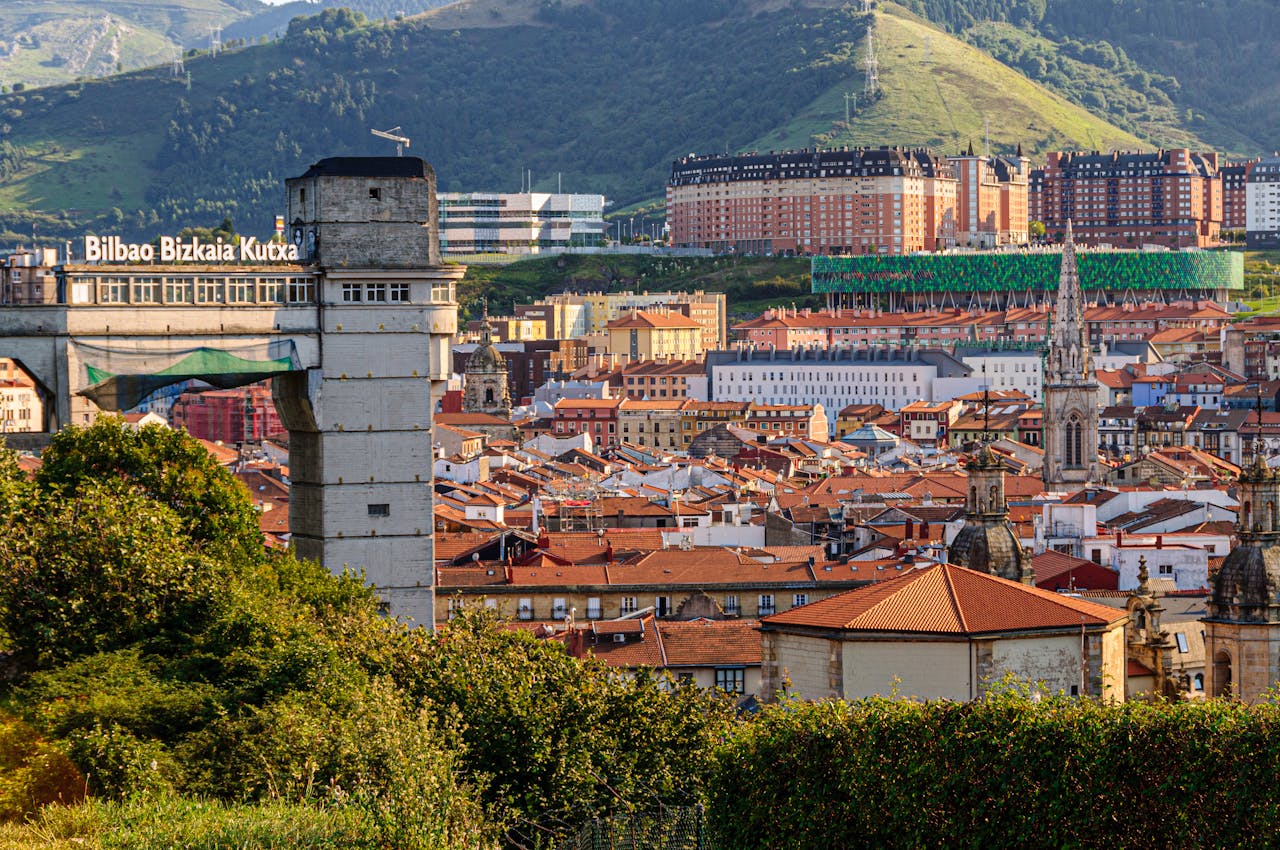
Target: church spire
point(1068, 343)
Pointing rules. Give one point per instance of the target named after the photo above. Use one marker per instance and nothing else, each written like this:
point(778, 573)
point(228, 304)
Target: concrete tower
point(987, 542)
point(1242, 630)
point(1070, 392)
point(485, 385)
point(359, 424)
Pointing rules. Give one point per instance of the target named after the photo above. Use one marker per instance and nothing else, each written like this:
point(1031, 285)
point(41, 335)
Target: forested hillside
point(1214, 61)
point(603, 96)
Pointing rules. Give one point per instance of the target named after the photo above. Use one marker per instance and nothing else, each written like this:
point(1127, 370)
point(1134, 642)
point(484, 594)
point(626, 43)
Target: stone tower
point(987, 542)
point(1242, 630)
point(485, 387)
point(360, 455)
point(1070, 391)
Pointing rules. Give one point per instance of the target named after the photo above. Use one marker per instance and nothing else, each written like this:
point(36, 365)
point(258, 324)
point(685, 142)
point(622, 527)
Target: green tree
point(99, 570)
point(169, 466)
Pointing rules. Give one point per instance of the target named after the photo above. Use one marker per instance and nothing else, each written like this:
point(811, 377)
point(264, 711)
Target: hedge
point(1008, 771)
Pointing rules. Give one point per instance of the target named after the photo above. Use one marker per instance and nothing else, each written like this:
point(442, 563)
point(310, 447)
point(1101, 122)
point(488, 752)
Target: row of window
point(662, 606)
point(194, 290)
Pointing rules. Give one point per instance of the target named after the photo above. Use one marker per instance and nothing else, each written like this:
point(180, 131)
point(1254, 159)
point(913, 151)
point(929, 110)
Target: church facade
point(485, 387)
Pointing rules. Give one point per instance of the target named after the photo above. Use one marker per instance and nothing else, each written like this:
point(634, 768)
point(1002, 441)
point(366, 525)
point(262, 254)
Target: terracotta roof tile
point(946, 599)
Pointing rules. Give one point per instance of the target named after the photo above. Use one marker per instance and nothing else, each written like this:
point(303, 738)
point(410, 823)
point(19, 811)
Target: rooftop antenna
point(393, 135)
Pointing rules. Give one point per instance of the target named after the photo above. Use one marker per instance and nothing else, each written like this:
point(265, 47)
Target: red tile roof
point(947, 599)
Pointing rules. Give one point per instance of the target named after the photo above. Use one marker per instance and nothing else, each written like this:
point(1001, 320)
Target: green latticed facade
point(1212, 272)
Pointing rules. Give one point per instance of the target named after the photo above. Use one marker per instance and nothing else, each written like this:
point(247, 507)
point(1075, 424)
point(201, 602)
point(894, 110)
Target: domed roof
point(991, 548)
point(486, 358)
point(1248, 584)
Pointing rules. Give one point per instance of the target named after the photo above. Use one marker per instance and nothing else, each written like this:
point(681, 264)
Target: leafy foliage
point(164, 658)
point(1003, 772)
point(168, 466)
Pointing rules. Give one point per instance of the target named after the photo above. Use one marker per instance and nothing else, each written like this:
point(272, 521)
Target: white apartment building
point(834, 377)
point(1005, 370)
point(1262, 205)
point(518, 222)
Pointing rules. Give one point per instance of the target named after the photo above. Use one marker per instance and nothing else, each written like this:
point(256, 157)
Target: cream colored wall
point(1051, 661)
point(1114, 664)
point(804, 665)
point(921, 669)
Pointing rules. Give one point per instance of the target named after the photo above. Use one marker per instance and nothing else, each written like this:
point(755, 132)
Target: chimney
point(1119, 538)
point(910, 531)
point(1159, 541)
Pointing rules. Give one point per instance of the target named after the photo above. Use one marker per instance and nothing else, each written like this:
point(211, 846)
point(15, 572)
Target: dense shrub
point(1009, 771)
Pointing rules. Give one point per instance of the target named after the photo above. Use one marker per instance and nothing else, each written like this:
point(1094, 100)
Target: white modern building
point(834, 377)
point(518, 222)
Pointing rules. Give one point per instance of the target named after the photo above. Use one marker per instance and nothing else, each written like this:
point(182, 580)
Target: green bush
point(1009, 771)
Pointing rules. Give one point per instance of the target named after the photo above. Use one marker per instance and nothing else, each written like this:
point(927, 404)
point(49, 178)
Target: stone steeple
point(1070, 391)
point(485, 387)
point(987, 542)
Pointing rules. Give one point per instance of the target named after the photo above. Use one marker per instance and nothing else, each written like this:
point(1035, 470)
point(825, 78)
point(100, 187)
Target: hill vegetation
point(142, 154)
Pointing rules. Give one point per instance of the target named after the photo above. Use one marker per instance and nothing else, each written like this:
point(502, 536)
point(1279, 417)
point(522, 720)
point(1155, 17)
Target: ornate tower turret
point(1242, 630)
point(485, 385)
point(987, 543)
point(1070, 392)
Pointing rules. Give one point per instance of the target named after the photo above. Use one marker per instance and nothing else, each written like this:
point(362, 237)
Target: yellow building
point(641, 335)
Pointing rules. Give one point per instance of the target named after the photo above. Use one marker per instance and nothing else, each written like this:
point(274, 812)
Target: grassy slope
point(57, 41)
point(942, 102)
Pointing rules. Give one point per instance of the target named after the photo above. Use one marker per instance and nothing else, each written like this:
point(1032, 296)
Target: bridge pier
point(354, 329)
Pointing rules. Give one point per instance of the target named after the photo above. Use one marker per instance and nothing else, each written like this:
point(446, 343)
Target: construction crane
point(393, 135)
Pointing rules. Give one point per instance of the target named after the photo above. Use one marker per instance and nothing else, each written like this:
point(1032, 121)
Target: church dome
point(989, 547)
point(1248, 584)
point(486, 358)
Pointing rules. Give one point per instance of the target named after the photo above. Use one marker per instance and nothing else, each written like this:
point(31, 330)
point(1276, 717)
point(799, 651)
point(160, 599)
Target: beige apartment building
point(640, 335)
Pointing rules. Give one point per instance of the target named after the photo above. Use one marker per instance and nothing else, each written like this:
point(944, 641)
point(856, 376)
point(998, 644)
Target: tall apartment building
point(843, 201)
point(1169, 197)
point(26, 277)
point(518, 222)
point(573, 315)
point(1262, 217)
point(1235, 180)
point(991, 203)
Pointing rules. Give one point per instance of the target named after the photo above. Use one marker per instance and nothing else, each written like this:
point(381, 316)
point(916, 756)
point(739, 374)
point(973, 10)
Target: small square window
point(375, 194)
point(380, 509)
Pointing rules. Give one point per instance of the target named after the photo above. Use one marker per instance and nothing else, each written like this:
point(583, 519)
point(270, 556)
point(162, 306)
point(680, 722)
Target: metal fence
point(674, 828)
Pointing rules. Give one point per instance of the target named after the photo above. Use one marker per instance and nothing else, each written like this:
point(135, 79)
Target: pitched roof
point(946, 599)
point(644, 319)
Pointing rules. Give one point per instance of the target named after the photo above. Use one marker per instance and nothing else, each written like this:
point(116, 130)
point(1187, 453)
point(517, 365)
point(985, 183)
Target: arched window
point(1073, 451)
point(1198, 681)
point(488, 395)
point(1222, 674)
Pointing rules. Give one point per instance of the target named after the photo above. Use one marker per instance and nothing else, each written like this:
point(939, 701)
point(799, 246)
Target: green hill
point(598, 97)
point(942, 92)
